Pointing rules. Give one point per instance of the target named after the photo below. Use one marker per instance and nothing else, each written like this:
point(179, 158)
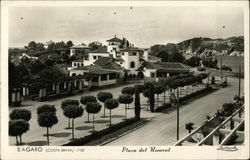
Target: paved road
point(162, 129)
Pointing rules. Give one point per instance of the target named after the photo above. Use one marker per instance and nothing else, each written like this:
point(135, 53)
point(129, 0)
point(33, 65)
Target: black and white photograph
point(145, 78)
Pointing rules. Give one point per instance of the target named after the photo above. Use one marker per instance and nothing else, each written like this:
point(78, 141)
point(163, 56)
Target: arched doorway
point(140, 75)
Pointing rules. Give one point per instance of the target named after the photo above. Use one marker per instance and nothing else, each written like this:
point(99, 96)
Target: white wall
point(130, 58)
point(147, 72)
point(91, 59)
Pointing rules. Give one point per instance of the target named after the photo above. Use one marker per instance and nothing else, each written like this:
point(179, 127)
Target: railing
point(218, 127)
point(227, 138)
point(179, 143)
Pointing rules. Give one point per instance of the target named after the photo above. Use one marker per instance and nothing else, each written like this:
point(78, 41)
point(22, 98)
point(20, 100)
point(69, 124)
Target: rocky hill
point(233, 46)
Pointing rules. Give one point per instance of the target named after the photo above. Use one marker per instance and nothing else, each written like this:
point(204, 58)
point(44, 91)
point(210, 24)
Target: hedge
point(99, 134)
point(163, 107)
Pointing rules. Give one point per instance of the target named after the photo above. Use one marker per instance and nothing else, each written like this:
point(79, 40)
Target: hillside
point(233, 46)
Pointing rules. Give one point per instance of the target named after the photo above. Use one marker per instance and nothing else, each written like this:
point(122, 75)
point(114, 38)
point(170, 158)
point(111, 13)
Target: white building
point(95, 55)
point(79, 49)
point(114, 45)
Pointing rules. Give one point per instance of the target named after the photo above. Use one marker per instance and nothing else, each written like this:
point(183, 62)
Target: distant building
point(27, 56)
point(79, 49)
point(118, 58)
point(46, 44)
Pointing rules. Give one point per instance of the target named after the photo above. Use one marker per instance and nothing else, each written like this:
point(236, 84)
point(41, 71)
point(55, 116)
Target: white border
point(183, 152)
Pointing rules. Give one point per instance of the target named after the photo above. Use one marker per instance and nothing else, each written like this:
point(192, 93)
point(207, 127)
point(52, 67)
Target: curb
point(125, 133)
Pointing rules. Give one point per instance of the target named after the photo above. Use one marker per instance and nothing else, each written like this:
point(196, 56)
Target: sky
point(142, 26)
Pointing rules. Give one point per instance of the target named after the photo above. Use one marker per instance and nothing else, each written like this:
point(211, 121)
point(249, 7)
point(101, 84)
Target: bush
point(187, 97)
point(99, 134)
point(128, 90)
point(163, 107)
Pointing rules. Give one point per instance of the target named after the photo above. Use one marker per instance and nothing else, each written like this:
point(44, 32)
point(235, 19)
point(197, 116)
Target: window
point(99, 57)
point(78, 65)
point(94, 57)
point(103, 77)
point(74, 64)
point(112, 76)
point(132, 64)
point(82, 64)
point(120, 62)
point(133, 53)
point(152, 74)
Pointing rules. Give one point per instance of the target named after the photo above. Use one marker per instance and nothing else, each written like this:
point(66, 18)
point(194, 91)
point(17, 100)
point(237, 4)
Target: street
point(162, 129)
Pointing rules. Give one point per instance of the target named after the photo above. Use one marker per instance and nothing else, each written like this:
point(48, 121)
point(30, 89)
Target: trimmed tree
point(20, 114)
point(128, 90)
point(103, 96)
point(137, 105)
point(146, 93)
point(111, 104)
point(125, 99)
point(152, 97)
point(73, 111)
point(159, 89)
point(17, 127)
point(46, 108)
point(86, 99)
point(47, 119)
point(69, 102)
point(93, 107)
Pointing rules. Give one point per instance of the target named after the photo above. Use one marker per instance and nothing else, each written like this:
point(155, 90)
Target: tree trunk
point(93, 122)
point(125, 112)
point(104, 112)
point(110, 117)
point(189, 130)
point(20, 137)
point(73, 128)
point(17, 141)
point(88, 118)
point(48, 135)
point(69, 123)
point(164, 97)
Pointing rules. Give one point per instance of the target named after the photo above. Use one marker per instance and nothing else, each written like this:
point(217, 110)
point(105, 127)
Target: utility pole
point(239, 80)
point(177, 134)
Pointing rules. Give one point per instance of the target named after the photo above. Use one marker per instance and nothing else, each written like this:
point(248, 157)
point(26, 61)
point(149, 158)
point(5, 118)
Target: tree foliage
point(103, 96)
point(46, 108)
point(85, 99)
point(17, 127)
point(69, 102)
point(20, 114)
point(128, 90)
point(47, 119)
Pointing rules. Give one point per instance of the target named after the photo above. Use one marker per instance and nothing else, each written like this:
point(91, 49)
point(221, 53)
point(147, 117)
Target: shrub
point(20, 114)
point(68, 102)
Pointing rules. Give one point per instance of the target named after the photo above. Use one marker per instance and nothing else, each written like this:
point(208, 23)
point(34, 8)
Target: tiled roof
point(153, 57)
point(100, 50)
point(131, 49)
point(119, 60)
point(89, 67)
point(115, 39)
point(78, 60)
point(165, 66)
point(107, 63)
point(83, 46)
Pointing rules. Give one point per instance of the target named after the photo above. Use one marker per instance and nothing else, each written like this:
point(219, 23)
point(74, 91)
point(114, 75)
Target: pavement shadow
point(37, 143)
point(83, 127)
point(101, 121)
point(60, 135)
point(117, 116)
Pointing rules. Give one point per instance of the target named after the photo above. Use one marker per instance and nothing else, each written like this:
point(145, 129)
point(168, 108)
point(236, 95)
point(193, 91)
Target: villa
point(107, 64)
